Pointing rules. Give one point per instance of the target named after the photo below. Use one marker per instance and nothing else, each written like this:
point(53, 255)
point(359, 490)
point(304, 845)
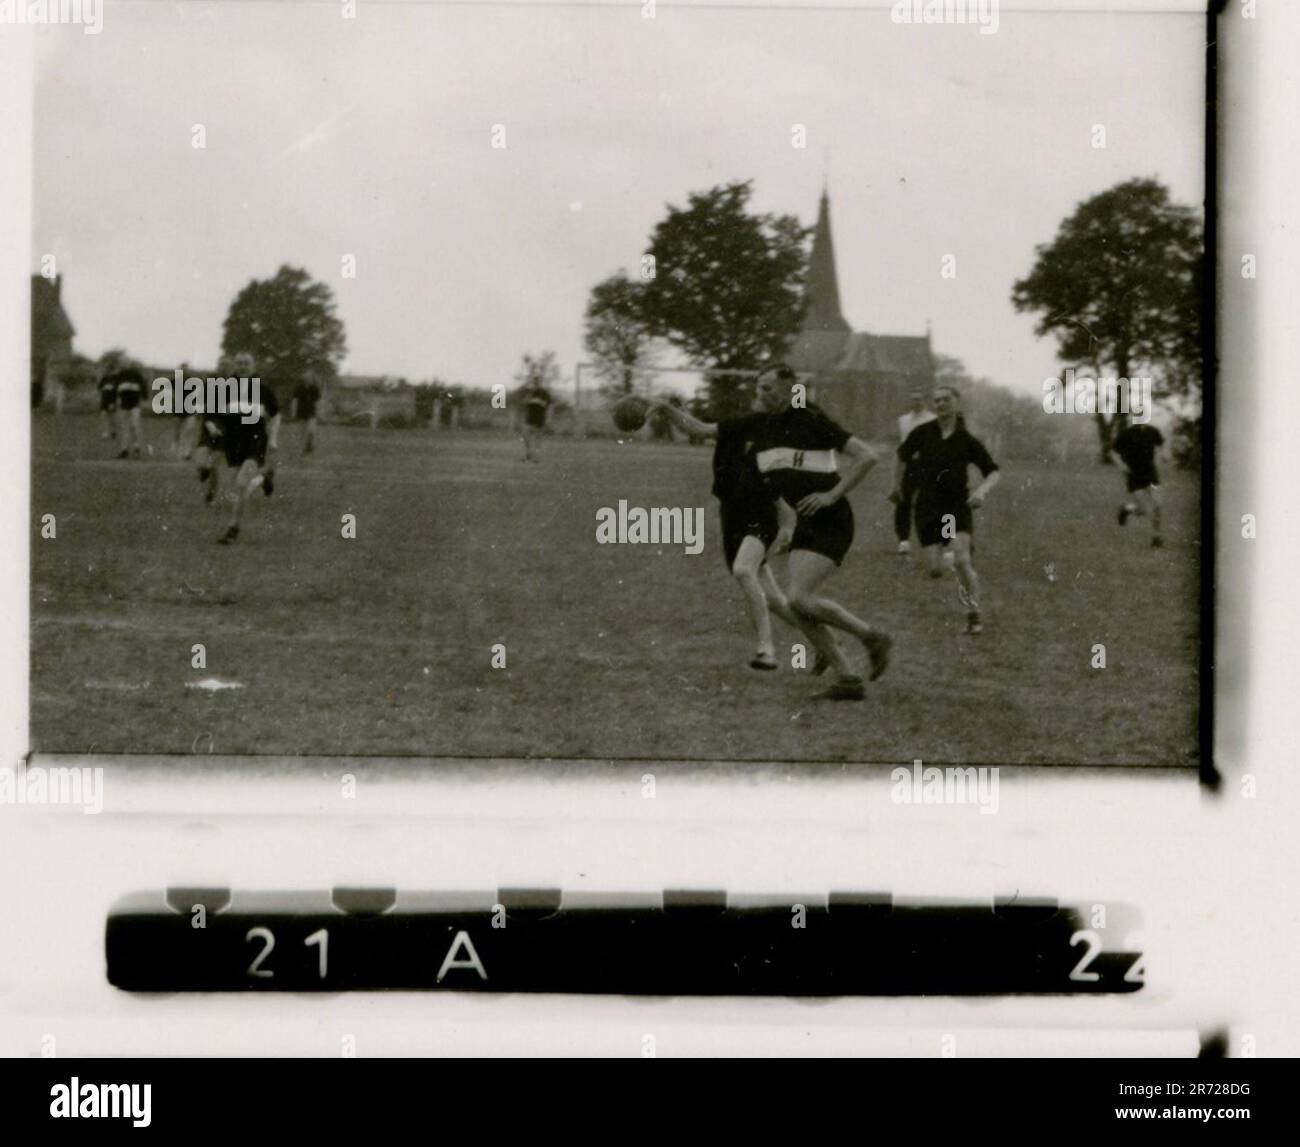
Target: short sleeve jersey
point(537, 401)
point(938, 465)
point(735, 476)
point(795, 452)
point(129, 385)
point(266, 408)
point(1137, 445)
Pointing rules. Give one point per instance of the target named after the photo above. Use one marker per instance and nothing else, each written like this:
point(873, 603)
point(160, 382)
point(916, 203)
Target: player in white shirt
point(917, 414)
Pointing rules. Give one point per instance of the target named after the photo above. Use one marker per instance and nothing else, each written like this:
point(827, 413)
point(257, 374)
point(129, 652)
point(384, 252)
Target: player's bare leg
point(247, 478)
point(968, 584)
point(807, 572)
point(309, 442)
point(207, 471)
point(1153, 500)
point(818, 635)
point(135, 432)
point(749, 557)
point(934, 560)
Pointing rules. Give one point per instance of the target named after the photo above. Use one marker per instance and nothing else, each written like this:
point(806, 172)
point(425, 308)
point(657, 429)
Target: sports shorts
point(930, 521)
point(746, 519)
point(828, 532)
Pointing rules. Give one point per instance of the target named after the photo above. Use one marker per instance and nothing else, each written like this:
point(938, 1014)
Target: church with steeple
point(862, 380)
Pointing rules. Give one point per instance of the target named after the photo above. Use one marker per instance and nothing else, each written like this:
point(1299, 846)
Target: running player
point(307, 396)
point(1136, 446)
point(917, 414)
point(537, 404)
point(753, 522)
point(795, 449)
point(249, 446)
point(129, 388)
point(108, 404)
point(936, 455)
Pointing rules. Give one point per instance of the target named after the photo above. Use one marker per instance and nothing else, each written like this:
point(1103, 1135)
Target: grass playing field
point(382, 644)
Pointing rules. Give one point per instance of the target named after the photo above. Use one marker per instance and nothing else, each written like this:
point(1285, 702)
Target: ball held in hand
point(630, 413)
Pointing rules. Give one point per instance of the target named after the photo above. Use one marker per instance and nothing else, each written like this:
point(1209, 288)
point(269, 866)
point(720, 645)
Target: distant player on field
point(795, 448)
point(1136, 446)
point(108, 404)
point(936, 455)
point(753, 522)
point(249, 445)
point(917, 414)
point(129, 389)
point(537, 404)
point(307, 397)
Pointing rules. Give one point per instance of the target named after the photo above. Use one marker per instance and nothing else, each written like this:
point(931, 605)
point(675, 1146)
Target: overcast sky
point(372, 137)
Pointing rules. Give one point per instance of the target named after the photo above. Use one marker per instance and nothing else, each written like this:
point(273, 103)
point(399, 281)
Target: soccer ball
point(630, 412)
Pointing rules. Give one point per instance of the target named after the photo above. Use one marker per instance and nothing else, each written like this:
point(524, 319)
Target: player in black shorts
point(108, 404)
point(128, 385)
point(935, 456)
point(307, 397)
point(1136, 447)
point(537, 403)
point(795, 448)
point(751, 518)
point(248, 436)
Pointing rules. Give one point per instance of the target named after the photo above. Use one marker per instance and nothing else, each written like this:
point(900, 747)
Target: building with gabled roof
point(862, 380)
point(52, 331)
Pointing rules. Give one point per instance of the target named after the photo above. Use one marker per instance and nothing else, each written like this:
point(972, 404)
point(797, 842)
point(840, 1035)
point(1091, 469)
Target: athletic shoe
point(845, 689)
point(877, 646)
point(974, 623)
point(229, 536)
point(1157, 542)
point(904, 547)
point(1123, 515)
point(763, 660)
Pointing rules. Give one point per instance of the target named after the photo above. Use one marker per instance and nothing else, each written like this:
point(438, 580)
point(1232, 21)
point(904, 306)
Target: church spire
point(823, 291)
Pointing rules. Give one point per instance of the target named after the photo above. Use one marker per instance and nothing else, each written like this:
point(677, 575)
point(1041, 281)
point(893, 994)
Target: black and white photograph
point(591, 382)
point(643, 529)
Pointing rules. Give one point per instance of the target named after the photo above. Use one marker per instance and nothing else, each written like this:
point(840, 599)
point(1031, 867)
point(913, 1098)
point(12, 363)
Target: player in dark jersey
point(936, 456)
point(537, 404)
point(307, 397)
point(795, 449)
point(248, 436)
point(108, 405)
point(1136, 447)
point(751, 518)
point(129, 390)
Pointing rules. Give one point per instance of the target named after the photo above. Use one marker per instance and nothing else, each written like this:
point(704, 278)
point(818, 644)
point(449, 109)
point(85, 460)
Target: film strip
point(673, 943)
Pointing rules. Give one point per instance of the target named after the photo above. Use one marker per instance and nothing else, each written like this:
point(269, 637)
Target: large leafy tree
point(541, 369)
point(1120, 288)
point(617, 335)
point(728, 284)
point(287, 323)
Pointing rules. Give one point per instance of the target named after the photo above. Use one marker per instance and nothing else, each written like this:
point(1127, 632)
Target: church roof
point(50, 321)
point(823, 288)
point(826, 352)
point(826, 344)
